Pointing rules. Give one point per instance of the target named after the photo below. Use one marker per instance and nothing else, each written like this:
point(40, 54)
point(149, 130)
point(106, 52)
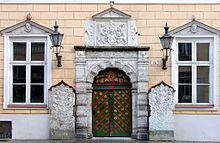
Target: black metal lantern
point(56, 40)
point(166, 42)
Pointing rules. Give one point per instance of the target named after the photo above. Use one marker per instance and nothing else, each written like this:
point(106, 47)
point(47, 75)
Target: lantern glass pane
point(166, 42)
point(60, 39)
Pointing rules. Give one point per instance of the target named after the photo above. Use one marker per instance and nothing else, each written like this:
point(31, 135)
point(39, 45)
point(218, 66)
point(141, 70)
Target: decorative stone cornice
point(162, 82)
point(65, 84)
point(112, 48)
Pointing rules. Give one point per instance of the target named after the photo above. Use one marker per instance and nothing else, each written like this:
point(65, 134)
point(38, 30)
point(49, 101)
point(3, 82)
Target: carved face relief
point(194, 28)
point(28, 27)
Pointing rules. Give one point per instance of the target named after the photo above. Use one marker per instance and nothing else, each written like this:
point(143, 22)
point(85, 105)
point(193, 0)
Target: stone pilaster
point(142, 114)
point(82, 100)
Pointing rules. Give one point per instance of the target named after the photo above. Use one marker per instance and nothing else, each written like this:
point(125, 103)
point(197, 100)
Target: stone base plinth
point(162, 135)
point(62, 135)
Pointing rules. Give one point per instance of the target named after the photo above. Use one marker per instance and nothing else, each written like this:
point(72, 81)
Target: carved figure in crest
point(103, 34)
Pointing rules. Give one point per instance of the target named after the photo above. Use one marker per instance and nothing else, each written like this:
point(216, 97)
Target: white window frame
point(213, 77)
point(8, 60)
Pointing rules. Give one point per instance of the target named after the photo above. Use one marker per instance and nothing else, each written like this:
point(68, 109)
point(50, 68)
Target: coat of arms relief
point(111, 33)
point(111, 28)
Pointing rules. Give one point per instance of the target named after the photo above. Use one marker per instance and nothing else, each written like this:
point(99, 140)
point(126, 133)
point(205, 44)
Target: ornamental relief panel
point(111, 33)
point(115, 54)
point(161, 100)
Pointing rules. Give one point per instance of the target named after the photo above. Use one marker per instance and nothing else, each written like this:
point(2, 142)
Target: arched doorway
point(111, 104)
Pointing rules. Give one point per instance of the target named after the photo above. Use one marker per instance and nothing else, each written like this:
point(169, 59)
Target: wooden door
point(112, 107)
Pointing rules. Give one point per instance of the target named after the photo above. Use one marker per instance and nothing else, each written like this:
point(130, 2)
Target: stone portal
point(111, 42)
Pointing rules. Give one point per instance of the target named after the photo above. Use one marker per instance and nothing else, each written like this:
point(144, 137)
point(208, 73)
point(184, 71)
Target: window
point(5, 130)
point(194, 63)
point(28, 72)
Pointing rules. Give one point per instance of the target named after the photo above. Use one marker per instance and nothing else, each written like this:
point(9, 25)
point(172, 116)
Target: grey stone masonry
point(134, 62)
point(61, 104)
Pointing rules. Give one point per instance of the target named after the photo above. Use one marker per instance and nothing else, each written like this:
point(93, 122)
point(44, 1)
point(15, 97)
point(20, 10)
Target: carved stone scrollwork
point(80, 56)
point(89, 33)
point(133, 31)
point(161, 99)
point(142, 55)
point(61, 102)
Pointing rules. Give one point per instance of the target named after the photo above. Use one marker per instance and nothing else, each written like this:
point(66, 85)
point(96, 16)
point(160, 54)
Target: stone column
point(61, 102)
point(134, 113)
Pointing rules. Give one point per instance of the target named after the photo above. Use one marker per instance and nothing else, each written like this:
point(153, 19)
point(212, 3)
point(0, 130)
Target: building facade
point(111, 70)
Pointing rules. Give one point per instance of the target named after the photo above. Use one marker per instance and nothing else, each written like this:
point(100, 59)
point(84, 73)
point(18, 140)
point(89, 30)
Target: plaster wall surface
point(197, 127)
point(28, 126)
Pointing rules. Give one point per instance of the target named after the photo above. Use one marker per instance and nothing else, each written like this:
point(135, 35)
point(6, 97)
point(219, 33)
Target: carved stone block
point(161, 99)
point(61, 102)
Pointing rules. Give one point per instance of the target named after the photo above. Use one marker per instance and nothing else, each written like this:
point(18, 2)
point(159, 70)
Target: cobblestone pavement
point(95, 141)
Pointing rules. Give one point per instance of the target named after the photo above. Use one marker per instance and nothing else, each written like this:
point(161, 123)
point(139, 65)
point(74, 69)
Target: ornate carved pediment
point(111, 13)
point(25, 28)
point(111, 27)
point(194, 28)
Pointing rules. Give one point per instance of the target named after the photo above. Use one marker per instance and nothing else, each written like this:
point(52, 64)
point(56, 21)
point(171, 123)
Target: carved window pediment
point(194, 27)
point(25, 28)
point(111, 13)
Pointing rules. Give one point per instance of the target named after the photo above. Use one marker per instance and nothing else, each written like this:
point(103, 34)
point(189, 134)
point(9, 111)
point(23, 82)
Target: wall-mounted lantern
point(56, 40)
point(166, 42)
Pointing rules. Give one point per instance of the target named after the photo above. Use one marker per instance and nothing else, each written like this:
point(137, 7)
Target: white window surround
point(213, 40)
point(116, 1)
point(8, 39)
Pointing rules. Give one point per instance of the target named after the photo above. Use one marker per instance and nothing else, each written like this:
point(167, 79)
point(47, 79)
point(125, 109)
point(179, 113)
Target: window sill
point(194, 106)
point(27, 106)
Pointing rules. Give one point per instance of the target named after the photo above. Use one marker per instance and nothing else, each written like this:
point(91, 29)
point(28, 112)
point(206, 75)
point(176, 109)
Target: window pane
point(185, 51)
point(37, 51)
point(203, 93)
point(37, 74)
point(202, 74)
point(185, 74)
point(19, 74)
point(19, 51)
point(185, 94)
point(202, 51)
point(19, 93)
point(37, 93)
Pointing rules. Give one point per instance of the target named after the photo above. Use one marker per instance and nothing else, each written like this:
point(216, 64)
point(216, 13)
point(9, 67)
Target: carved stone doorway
point(111, 103)
point(111, 42)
